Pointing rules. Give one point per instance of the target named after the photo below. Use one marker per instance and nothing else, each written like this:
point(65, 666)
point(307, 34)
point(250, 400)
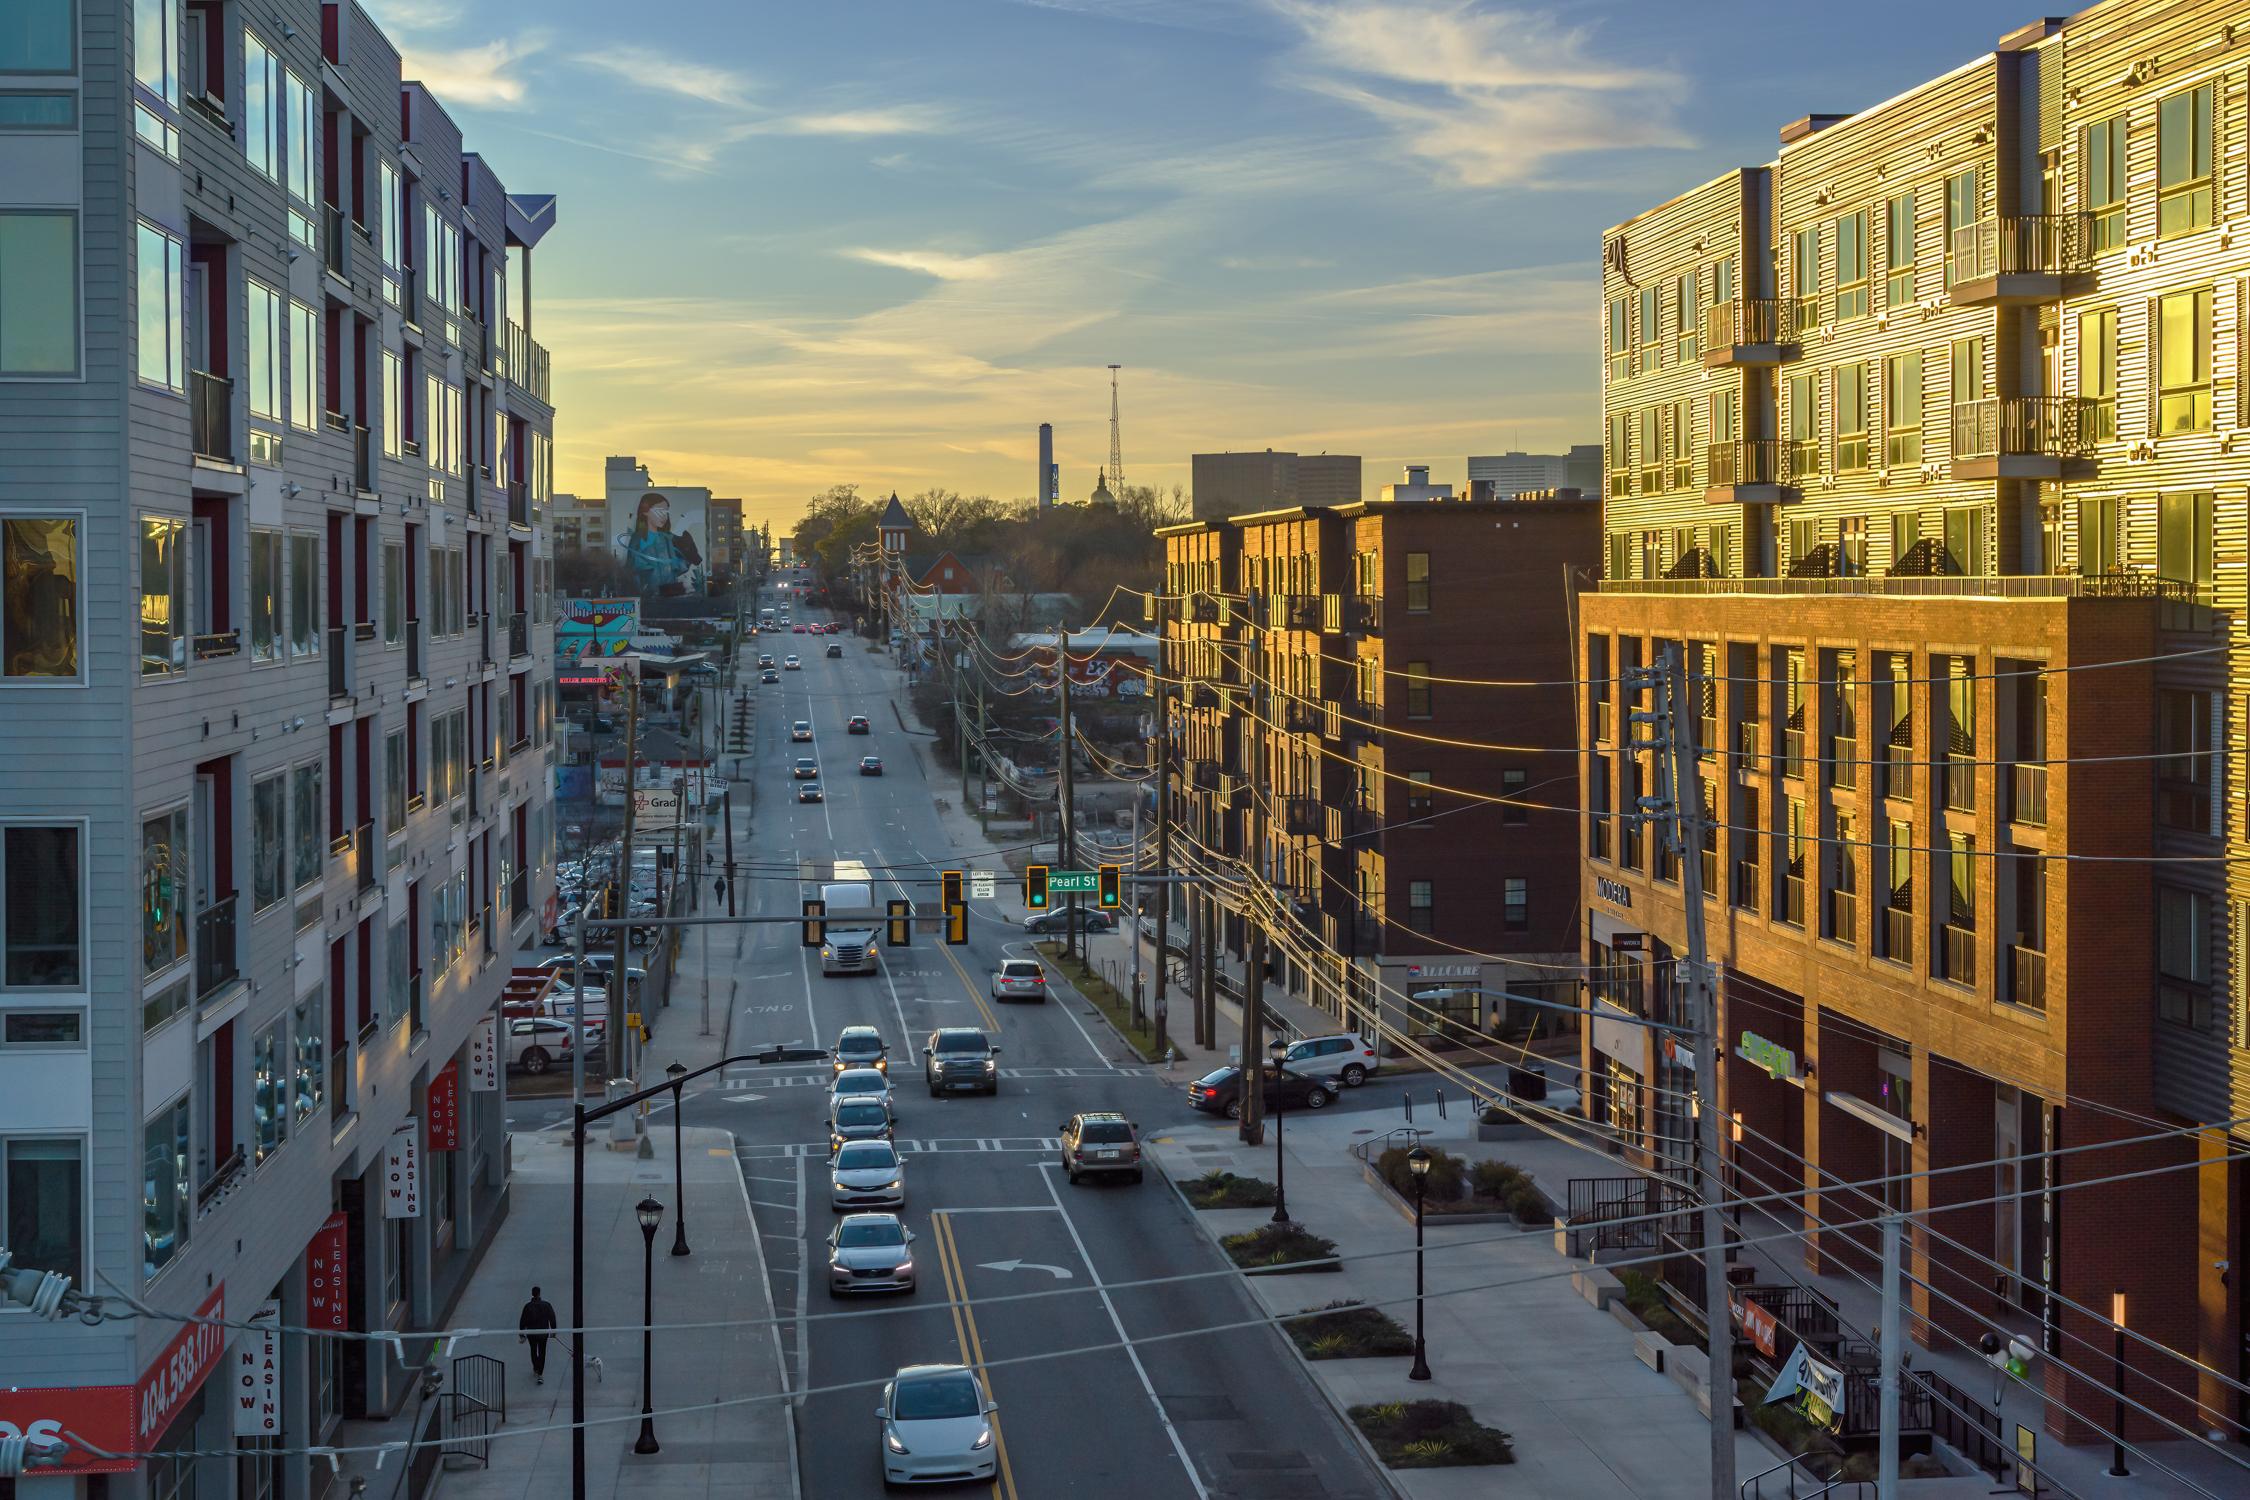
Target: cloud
point(1491, 95)
point(414, 15)
point(490, 76)
point(902, 119)
point(647, 68)
point(936, 263)
point(1273, 263)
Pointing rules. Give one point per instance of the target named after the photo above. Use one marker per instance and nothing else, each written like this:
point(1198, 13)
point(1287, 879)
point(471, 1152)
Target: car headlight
point(906, 1264)
point(890, 1440)
point(984, 1439)
point(990, 1064)
point(893, 1186)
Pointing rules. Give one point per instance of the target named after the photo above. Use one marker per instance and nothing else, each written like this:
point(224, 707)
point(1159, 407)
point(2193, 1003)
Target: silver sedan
point(870, 1253)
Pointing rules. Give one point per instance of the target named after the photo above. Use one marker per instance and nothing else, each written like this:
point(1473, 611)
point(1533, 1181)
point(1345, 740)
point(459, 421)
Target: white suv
point(1344, 1055)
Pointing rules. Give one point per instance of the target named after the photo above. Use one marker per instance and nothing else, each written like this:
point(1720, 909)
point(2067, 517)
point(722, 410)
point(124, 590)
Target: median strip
point(1103, 996)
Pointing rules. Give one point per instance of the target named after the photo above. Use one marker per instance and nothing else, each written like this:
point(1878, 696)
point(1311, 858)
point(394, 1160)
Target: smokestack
point(1045, 490)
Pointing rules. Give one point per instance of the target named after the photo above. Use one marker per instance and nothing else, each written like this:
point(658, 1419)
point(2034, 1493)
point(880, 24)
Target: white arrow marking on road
point(1060, 1273)
point(741, 1098)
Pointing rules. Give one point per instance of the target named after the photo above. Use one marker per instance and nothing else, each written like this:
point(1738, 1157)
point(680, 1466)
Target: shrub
point(1279, 1249)
point(1222, 1189)
point(1496, 1180)
point(1346, 1330)
point(1645, 1297)
point(1431, 1435)
point(1529, 1205)
point(1444, 1184)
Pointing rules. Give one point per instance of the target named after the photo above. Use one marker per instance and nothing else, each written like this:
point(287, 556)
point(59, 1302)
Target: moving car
point(769, 675)
point(1100, 1141)
point(867, 1083)
point(801, 731)
point(1020, 979)
point(537, 1043)
point(1221, 1091)
point(870, 1252)
point(871, 765)
point(791, 664)
point(805, 769)
point(835, 651)
point(857, 1118)
point(858, 724)
point(937, 1426)
point(1090, 919)
point(809, 792)
point(765, 659)
point(1346, 1056)
point(597, 969)
point(867, 1174)
point(861, 1047)
point(960, 1057)
point(796, 630)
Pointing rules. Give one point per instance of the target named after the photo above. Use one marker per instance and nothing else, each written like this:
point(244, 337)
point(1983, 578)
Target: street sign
point(980, 885)
point(1072, 882)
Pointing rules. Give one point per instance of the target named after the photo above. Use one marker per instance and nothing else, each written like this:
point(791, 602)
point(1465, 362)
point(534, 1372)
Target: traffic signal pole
point(1163, 862)
point(1065, 818)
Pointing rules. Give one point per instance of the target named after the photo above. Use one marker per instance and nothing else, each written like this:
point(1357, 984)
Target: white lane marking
point(1123, 1338)
point(804, 1283)
point(1060, 1273)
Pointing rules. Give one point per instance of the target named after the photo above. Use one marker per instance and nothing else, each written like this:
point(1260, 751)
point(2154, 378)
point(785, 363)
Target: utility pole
point(1253, 1129)
point(1678, 806)
point(1066, 820)
point(727, 803)
point(613, 1031)
point(1890, 1333)
point(1133, 911)
point(984, 761)
point(1207, 970)
point(1163, 865)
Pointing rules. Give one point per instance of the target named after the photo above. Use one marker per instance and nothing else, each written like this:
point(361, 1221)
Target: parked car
point(801, 732)
point(857, 1118)
point(1095, 1142)
point(858, 724)
point(867, 1174)
point(1090, 919)
point(870, 1252)
point(1346, 1056)
point(1220, 1091)
point(835, 650)
point(871, 765)
point(937, 1426)
point(805, 769)
point(598, 967)
point(861, 1047)
point(960, 1057)
point(537, 1043)
point(1020, 979)
point(809, 791)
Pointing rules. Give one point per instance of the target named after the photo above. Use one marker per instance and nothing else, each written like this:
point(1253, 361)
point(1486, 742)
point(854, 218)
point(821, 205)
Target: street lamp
point(677, 1072)
point(650, 1213)
point(1276, 1050)
point(1418, 1162)
point(2117, 1467)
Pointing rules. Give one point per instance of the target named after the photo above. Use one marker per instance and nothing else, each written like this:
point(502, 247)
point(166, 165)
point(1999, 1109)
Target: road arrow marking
point(1058, 1272)
point(740, 1098)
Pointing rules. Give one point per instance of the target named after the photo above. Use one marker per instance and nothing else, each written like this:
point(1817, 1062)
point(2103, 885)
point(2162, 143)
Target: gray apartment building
point(276, 703)
point(1232, 484)
point(1503, 476)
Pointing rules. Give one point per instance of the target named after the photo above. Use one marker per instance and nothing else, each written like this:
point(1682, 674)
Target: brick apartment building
point(1911, 433)
point(277, 683)
point(1309, 651)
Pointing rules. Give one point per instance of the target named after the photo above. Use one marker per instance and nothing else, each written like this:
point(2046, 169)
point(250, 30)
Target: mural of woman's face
point(659, 516)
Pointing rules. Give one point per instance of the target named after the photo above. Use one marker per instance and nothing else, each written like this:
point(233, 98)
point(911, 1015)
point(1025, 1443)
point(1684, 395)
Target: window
point(1851, 547)
point(41, 921)
point(1851, 417)
point(307, 848)
point(1804, 270)
point(269, 1100)
point(38, 291)
point(43, 1205)
point(1964, 541)
point(1420, 897)
point(164, 877)
point(304, 594)
point(1652, 329)
point(1687, 316)
point(1418, 798)
point(1513, 783)
point(2100, 536)
point(164, 1187)
point(1418, 690)
point(2184, 769)
point(394, 592)
point(1906, 535)
point(261, 106)
point(162, 310)
point(2104, 156)
point(308, 1030)
point(304, 367)
point(38, 597)
point(394, 781)
point(29, 110)
point(1898, 251)
point(2097, 372)
point(1804, 426)
point(2183, 959)
point(1620, 455)
point(1418, 582)
point(269, 842)
point(1515, 903)
point(1683, 444)
point(392, 206)
point(1960, 213)
point(1652, 452)
point(2183, 539)
point(41, 37)
point(1851, 265)
point(2183, 163)
point(163, 596)
point(156, 74)
point(302, 131)
point(1902, 410)
point(394, 405)
point(265, 595)
point(1620, 339)
point(263, 364)
point(2183, 343)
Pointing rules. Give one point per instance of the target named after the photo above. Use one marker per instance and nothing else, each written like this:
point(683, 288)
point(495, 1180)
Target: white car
point(937, 1426)
point(791, 664)
point(866, 1174)
point(1345, 1055)
point(1020, 979)
point(865, 1083)
point(870, 1253)
point(536, 1043)
point(801, 732)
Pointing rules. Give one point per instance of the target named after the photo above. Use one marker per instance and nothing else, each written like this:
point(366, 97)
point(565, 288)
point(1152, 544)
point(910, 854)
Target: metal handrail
point(2016, 244)
point(1741, 321)
point(2044, 426)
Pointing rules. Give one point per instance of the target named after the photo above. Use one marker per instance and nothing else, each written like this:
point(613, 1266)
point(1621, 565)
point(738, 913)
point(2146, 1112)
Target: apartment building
point(575, 523)
point(1226, 484)
point(274, 650)
point(1925, 463)
point(1414, 830)
point(1503, 476)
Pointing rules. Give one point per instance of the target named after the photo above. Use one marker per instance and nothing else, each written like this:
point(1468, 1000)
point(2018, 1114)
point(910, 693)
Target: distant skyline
point(880, 241)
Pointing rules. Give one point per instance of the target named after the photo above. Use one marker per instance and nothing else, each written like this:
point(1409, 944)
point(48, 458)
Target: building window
point(1851, 547)
point(2183, 963)
point(265, 595)
point(1620, 457)
point(1902, 410)
point(1418, 690)
point(1851, 265)
point(156, 74)
point(1418, 798)
point(2183, 342)
point(1961, 210)
point(164, 880)
point(164, 1187)
point(2104, 156)
point(2183, 163)
point(1652, 331)
point(1620, 339)
point(269, 1101)
point(1418, 583)
point(261, 107)
point(309, 1071)
point(1420, 899)
point(263, 363)
point(38, 290)
point(308, 850)
point(2097, 372)
point(1514, 782)
point(304, 594)
point(163, 596)
point(301, 131)
point(162, 309)
point(41, 919)
point(392, 207)
point(2100, 536)
point(42, 37)
point(2183, 539)
point(1804, 426)
point(394, 592)
point(1687, 316)
point(2184, 767)
point(1515, 903)
point(1683, 444)
point(43, 1205)
point(304, 367)
point(1898, 251)
point(1652, 453)
point(1851, 417)
point(1804, 269)
point(394, 406)
point(269, 843)
point(38, 597)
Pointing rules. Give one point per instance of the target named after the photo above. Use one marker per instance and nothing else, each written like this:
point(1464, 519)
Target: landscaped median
point(1222, 1189)
point(1103, 995)
point(1431, 1435)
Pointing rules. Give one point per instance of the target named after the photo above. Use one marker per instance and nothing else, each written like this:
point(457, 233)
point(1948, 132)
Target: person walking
point(537, 1317)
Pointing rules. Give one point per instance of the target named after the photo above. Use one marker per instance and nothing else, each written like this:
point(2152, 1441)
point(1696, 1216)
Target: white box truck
point(854, 922)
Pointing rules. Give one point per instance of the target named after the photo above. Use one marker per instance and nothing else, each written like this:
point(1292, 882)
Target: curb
point(773, 1314)
point(1103, 1016)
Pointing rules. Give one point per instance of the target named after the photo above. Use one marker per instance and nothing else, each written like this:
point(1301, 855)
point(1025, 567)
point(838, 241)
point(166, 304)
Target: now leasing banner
point(484, 1076)
point(257, 1375)
point(402, 1172)
point(325, 1305)
point(445, 1109)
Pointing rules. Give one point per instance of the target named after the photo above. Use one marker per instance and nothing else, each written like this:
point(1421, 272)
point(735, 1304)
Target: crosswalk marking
point(792, 1150)
point(762, 1079)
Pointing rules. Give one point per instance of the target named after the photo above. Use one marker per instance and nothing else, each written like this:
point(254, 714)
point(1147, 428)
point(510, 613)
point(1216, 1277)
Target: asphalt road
point(1218, 1416)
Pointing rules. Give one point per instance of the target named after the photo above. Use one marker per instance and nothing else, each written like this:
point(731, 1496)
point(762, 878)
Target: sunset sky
point(879, 241)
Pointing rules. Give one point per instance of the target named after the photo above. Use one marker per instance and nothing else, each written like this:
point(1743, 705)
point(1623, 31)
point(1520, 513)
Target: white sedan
point(866, 1174)
point(863, 1083)
point(937, 1426)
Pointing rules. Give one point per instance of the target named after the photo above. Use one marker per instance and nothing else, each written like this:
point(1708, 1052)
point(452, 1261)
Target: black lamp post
point(1418, 1162)
point(1276, 1050)
point(677, 1072)
point(650, 1213)
point(2117, 1467)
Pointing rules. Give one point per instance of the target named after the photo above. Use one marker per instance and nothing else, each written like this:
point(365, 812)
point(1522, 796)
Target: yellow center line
point(983, 1009)
point(956, 1274)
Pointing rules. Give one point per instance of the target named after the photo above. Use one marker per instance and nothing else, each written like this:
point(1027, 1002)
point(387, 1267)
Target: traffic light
point(949, 883)
point(1035, 887)
point(1112, 886)
point(816, 931)
point(902, 924)
point(955, 909)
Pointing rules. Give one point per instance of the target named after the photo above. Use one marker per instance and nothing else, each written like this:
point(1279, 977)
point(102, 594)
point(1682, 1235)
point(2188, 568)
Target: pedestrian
point(538, 1316)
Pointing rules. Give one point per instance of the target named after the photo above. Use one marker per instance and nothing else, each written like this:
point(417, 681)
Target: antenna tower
point(1116, 450)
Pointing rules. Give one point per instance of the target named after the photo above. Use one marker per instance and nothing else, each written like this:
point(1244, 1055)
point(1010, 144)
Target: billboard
point(660, 536)
point(595, 627)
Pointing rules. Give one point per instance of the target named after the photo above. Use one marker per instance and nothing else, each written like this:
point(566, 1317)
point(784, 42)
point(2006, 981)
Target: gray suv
point(960, 1057)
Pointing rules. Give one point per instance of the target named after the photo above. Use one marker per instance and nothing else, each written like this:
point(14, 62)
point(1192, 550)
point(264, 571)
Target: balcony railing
point(1960, 953)
point(1747, 893)
point(519, 896)
point(1960, 789)
point(1792, 752)
point(1602, 720)
point(363, 854)
point(1707, 866)
point(339, 1078)
point(526, 360)
point(2027, 977)
point(1749, 738)
point(363, 460)
point(1843, 762)
point(1301, 818)
point(1706, 737)
point(519, 503)
point(1898, 769)
point(1300, 717)
point(1793, 900)
point(2027, 795)
point(1747, 461)
point(211, 415)
point(332, 239)
point(519, 634)
point(1743, 321)
point(1898, 934)
point(222, 1177)
point(339, 676)
point(216, 963)
point(1843, 916)
point(414, 647)
point(1367, 614)
point(412, 306)
point(2024, 426)
point(2021, 244)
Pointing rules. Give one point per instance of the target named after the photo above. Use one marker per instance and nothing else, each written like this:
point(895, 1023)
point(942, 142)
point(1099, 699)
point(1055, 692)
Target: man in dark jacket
point(538, 1316)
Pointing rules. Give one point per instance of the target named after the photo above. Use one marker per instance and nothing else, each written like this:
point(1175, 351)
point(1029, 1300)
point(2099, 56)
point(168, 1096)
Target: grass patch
point(1431, 1435)
point(1646, 1299)
point(1346, 1330)
point(1279, 1249)
point(1225, 1190)
point(1105, 998)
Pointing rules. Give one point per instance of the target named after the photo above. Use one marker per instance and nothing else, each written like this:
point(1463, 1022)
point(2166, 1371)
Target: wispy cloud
point(1273, 263)
point(940, 264)
point(903, 119)
point(1492, 95)
point(491, 76)
point(649, 69)
point(414, 15)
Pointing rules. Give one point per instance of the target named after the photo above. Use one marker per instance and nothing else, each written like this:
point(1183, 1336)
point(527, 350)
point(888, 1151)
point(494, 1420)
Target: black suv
point(1100, 1141)
point(960, 1057)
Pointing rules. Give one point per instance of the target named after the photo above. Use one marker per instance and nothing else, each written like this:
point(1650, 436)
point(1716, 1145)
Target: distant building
point(727, 553)
point(1233, 484)
point(576, 522)
point(1417, 487)
point(1508, 475)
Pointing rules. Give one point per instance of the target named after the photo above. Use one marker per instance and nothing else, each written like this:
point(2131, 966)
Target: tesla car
point(937, 1426)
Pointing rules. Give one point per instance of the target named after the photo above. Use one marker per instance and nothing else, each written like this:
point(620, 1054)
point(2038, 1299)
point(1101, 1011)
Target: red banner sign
point(75, 1417)
point(1757, 1324)
point(179, 1372)
point(445, 1108)
point(327, 1304)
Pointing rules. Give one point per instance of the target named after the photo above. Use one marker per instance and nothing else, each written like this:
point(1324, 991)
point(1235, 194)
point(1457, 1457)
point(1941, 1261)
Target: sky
point(880, 241)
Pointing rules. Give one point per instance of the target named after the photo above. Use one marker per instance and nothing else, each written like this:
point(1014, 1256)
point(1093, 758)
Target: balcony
point(1792, 752)
point(1707, 866)
point(339, 1079)
point(526, 361)
point(519, 897)
point(2027, 795)
point(1898, 935)
point(2027, 977)
point(1897, 762)
point(1843, 917)
point(519, 634)
point(519, 504)
point(332, 241)
point(1203, 610)
point(2018, 260)
point(2024, 437)
point(363, 461)
point(1749, 737)
point(410, 305)
point(1706, 737)
point(339, 677)
point(1749, 471)
point(1302, 817)
point(1749, 331)
point(414, 649)
point(1793, 900)
point(1300, 717)
point(1960, 953)
point(1960, 787)
point(1746, 892)
point(211, 416)
point(1843, 763)
point(1603, 720)
point(1367, 614)
point(221, 1181)
point(216, 964)
point(213, 645)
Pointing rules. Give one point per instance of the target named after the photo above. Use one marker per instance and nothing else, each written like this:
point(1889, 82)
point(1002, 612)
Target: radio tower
point(1116, 450)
